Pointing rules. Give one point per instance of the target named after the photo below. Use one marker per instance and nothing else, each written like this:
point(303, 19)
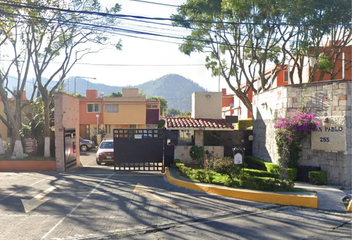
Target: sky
point(106, 66)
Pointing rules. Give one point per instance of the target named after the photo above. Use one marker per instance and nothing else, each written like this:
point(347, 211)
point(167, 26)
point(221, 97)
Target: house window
point(93, 107)
point(286, 76)
point(132, 126)
point(151, 106)
point(111, 108)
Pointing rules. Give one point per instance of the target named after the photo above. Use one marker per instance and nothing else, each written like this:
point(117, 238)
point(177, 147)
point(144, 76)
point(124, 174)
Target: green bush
point(197, 154)
point(255, 163)
point(225, 166)
point(292, 173)
point(204, 176)
point(161, 124)
point(265, 184)
point(175, 161)
point(318, 177)
point(244, 124)
point(260, 173)
point(272, 167)
point(183, 169)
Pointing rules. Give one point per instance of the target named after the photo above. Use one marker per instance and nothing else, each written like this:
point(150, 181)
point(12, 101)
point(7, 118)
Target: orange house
point(128, 111)
point(233, 106)
point(342, 64)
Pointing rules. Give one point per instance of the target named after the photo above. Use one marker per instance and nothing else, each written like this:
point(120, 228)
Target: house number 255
point(324, 139)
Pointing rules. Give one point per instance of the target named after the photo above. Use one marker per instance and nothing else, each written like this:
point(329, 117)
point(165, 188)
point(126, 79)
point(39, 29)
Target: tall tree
point(243, 37)
point(62, 31)
point(14, 35)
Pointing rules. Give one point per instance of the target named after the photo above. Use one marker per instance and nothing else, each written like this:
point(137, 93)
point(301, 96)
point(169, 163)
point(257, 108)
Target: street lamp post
point(85, 79)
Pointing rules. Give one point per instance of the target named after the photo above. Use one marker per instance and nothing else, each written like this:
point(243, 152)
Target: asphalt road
point(95, 202)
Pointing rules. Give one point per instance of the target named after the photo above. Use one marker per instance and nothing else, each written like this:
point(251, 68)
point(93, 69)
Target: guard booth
point(139, 149)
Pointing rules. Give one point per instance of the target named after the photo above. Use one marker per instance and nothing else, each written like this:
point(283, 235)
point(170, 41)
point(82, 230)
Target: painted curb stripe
point(350, 206)
point(258, 196)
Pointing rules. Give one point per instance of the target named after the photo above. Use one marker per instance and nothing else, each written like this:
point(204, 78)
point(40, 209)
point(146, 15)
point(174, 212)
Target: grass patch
point(245, 181)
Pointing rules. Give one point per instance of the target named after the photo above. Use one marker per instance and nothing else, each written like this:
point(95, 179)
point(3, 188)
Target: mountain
point(176, 89)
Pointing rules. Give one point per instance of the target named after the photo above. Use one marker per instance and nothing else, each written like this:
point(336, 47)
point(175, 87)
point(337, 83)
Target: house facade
point(206, 128)
point(233, 106)
point(108, 113)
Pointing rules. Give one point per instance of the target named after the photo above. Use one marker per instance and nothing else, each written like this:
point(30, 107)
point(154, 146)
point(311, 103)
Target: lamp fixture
point(326, 122)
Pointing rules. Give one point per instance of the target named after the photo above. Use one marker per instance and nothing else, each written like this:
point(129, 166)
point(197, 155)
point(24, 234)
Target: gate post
point(163, 150)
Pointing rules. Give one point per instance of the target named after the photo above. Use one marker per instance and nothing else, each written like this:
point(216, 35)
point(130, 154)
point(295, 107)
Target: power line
point(123, 16)
point(155, 3)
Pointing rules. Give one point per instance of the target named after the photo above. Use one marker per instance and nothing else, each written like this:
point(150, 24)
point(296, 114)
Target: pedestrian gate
point(69, 148)
point(139, 149)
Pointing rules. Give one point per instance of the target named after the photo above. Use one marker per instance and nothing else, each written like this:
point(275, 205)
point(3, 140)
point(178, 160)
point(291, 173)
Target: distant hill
point(176, 89)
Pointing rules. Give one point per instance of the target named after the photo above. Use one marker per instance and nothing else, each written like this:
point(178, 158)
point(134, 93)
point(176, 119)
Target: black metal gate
point(69, 148)
point(139, 149)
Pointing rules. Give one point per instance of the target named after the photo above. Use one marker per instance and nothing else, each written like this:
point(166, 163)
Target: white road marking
point(13, 193)
point(67, 215)
point(37, 200)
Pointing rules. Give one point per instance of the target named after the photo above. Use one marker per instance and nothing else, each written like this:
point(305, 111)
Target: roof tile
point(185, 122)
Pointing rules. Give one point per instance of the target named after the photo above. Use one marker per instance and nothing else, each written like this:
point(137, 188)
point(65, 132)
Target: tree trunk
point(46, 127)
point(2, 149)
point(18, 148)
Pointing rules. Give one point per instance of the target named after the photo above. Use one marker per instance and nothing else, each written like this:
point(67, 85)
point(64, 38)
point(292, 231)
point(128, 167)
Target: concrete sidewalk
point(329, 197)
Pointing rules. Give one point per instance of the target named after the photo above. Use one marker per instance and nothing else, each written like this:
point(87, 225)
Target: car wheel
point(83, 148)
point(98, 162)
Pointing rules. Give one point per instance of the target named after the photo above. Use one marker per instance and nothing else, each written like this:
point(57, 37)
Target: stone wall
point(329, 100)
point(182, 153)
point(66, 115)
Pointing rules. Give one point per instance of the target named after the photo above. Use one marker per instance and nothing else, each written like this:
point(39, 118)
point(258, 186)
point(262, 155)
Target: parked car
point(86, 145)
point(105, 152)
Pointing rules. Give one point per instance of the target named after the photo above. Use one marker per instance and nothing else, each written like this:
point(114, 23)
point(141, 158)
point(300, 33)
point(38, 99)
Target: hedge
point(265, 184)
point(248, 181)
point(244, 124)
point(274, 168)
point(255, 163)
point(318, 177)
point(292, 173)
point(260, 173)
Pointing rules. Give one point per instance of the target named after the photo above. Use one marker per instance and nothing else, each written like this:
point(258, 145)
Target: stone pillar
point(199, 137)
point(59, 132)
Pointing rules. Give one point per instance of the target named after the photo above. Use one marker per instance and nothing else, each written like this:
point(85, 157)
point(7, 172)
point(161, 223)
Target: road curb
point(252, 195)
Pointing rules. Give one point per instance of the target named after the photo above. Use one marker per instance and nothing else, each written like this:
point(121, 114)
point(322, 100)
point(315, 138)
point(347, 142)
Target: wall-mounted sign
point(329, 138)
point(238, 158)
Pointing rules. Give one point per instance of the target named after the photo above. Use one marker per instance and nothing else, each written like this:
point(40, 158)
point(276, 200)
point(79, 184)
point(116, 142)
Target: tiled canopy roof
point(184, 122)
